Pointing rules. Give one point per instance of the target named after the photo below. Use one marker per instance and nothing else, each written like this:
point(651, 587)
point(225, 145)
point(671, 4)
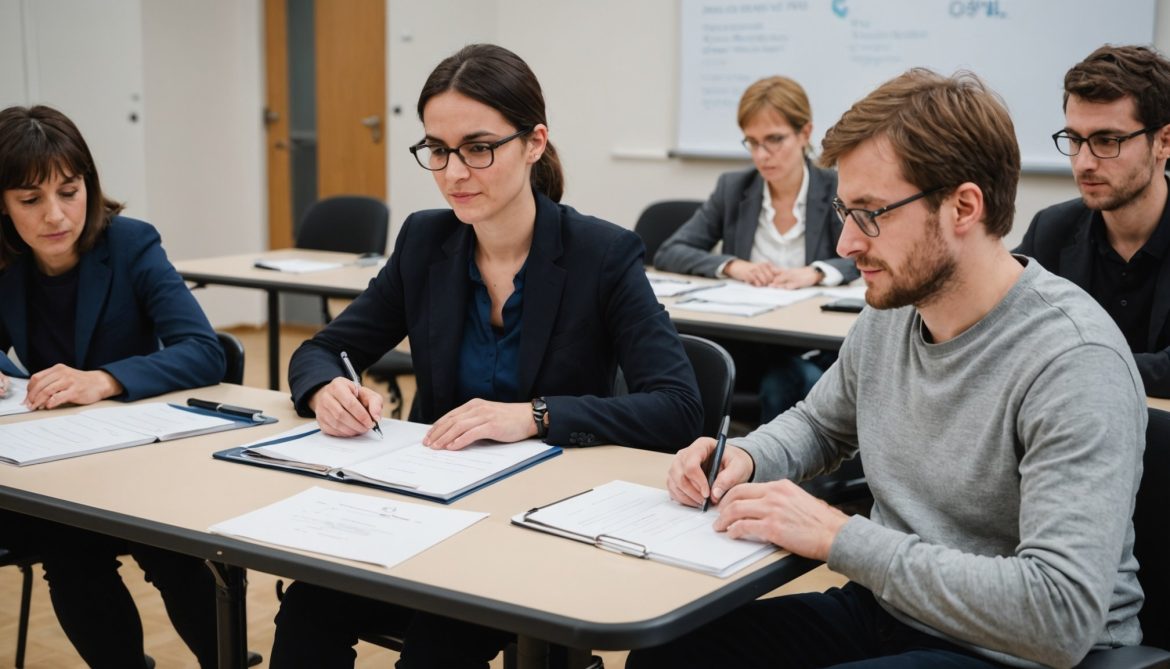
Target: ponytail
point(547, 176)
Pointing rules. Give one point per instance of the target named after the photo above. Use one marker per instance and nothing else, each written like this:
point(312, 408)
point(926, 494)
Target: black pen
point(357, 384)
point(255, 415)
point(720, 443)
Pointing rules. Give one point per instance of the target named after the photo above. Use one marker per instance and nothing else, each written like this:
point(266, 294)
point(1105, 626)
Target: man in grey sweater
point(997, 407)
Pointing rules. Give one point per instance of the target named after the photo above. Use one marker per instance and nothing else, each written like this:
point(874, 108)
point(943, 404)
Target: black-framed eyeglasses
point(1100, 145)
point(867, 219)
point(770, 143)
point(476, 154)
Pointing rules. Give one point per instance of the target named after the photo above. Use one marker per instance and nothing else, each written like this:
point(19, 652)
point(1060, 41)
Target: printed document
point(365, 528)
point(643, 521)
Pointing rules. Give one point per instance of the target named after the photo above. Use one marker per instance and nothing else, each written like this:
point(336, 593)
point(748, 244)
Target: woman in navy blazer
point(93, 310)
point(519, 311)
point(776, 227)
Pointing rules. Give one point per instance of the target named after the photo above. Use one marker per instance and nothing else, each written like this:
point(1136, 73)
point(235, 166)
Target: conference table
point(240, 271)
point(562, 598)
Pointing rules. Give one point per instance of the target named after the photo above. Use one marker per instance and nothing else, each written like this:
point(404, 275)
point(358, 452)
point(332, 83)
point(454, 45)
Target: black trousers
point(92, 603)
point(843, 627)
point(317, 628)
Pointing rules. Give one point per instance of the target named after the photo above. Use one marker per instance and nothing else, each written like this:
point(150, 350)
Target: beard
point(928, 270)
point(1130, 187)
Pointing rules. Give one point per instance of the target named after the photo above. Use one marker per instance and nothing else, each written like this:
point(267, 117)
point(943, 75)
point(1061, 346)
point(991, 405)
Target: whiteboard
point(840, 50)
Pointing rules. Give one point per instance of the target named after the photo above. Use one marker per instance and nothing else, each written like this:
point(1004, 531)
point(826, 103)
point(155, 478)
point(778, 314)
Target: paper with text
point(646, 517)
point(739, 293)
point(670, 286)
point(365, 528)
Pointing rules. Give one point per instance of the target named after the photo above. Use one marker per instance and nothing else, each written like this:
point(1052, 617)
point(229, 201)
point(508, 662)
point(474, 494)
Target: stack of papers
point(12, 402)
point(296, 265)
point(671, 286)
point(644, 522)
point(95, 430)
point(369, 529)
point(743, 300)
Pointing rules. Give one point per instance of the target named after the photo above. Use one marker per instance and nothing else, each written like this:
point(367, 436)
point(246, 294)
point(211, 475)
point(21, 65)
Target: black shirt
point(52, 319)
point(1126, 289)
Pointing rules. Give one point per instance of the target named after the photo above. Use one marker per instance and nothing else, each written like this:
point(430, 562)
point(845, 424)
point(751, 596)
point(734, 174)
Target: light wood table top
point(240, 271)
point(493, 573)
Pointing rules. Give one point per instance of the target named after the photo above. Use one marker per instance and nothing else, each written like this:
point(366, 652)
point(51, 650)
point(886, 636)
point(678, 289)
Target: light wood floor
point(49, 649)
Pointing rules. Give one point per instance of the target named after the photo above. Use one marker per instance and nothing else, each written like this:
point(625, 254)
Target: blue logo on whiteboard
point(839, 8)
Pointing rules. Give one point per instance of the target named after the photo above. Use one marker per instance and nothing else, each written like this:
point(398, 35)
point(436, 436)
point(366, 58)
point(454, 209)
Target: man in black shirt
point(1113, 241)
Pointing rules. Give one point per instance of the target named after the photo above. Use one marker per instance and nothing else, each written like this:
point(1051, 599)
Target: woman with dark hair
point(776, 228)
point(519, 311)
point(93, 310)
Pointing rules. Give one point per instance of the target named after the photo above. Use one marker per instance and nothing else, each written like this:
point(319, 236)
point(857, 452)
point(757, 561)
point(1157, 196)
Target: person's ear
point(966, 204)
point(537, 141)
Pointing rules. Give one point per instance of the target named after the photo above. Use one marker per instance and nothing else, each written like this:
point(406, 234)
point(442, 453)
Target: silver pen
point(358, 385)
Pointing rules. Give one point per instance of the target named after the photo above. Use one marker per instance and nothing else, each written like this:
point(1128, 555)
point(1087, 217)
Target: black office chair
point(658, 222)
point(233, 353)
point(715, 372)
point(347, 224)
point(387, 369)
point(1152, 549)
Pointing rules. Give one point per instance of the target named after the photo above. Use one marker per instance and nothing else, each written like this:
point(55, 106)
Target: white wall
point(204, 93)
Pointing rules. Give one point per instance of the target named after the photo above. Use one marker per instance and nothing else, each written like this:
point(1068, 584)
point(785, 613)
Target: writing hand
point(480, 419)
point(782, 513)
point(61, 384)
point(344, 410)
point(4, 385)
point(687, 482)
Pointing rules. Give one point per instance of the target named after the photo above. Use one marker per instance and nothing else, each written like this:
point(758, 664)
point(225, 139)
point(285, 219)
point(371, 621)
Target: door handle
point(374, 123)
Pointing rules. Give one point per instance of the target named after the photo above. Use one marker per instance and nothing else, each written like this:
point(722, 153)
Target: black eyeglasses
point(1100, 145)
point(476, 155)
point(867, 220)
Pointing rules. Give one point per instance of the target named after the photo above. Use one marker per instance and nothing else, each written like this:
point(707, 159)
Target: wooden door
point(351, 97)
point(276, 110)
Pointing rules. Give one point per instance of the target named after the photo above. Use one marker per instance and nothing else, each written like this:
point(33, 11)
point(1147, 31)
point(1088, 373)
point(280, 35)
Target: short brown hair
point(1113, 72)
point(781, 94)
point(946, 131)
point(36, 143)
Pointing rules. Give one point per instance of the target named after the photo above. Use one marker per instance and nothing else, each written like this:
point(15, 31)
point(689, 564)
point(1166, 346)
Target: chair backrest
point(1152, 543)
point(233, 353)
point(659, 221)
point(715, 372)
point(345, 223)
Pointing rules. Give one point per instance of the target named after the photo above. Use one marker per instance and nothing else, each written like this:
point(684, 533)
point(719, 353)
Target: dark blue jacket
point(587, 307)
point(130, 300)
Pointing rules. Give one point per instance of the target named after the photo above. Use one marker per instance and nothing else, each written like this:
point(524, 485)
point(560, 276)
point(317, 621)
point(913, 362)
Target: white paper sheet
point(296, 265)
point(11, 403)
point(739, 293)
point(669, 286)
point(845, 291)
point(365, 528)
point(746, 310)
point(641, 516)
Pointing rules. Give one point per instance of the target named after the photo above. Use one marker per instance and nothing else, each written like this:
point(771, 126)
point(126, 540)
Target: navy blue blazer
point(732, 214)
point(129, 300)
point(1058, 238)
point(587, 307)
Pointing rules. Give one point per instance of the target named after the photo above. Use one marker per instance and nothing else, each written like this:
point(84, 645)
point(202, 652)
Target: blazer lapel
point(93, 285)
point(1076, 259)
point(14, 306)
point(447, 287)
point(816, 209)
point(748, 218)
point(544, 282)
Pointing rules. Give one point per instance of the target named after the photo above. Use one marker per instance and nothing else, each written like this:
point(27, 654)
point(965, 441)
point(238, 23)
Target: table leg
point(533, 654)
point(231, 586)
point(273, 340)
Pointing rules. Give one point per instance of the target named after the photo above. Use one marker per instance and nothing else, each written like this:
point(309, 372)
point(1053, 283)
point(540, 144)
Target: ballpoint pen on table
point(720, 443)
point(357, 383)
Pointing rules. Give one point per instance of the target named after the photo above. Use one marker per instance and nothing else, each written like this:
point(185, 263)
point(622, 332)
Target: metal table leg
point(273, 340)
point(231, 587)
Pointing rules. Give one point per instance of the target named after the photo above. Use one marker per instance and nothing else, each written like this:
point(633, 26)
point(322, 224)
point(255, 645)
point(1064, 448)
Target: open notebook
point(644, 522)
point(34, 441)
point(399, 462)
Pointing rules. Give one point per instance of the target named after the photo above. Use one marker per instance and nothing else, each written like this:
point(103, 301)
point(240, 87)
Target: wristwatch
point(539, 412)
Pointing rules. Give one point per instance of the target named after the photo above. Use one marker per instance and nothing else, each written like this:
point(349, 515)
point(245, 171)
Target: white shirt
point(786, 250)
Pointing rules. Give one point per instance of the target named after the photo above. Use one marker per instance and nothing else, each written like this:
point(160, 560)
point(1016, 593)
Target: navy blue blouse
point(489, 357)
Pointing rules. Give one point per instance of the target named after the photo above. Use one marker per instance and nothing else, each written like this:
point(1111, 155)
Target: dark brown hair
point(1113, 72)
point(946, 131)
point(503, 81)
point(37, 143)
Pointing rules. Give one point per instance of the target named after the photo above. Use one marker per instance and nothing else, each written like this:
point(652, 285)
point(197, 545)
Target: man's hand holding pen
point(687, 479)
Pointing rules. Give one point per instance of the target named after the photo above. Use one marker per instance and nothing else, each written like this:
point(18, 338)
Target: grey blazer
point(732, 213)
